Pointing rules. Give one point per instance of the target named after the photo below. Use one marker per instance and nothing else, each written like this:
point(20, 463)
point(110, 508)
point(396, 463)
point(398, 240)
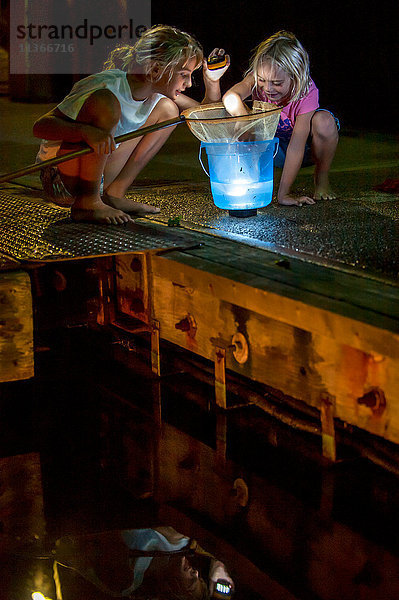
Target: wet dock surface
point(359, 230)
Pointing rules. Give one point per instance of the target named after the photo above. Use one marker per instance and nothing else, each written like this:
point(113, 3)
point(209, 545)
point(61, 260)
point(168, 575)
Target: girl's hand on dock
point(290, 201)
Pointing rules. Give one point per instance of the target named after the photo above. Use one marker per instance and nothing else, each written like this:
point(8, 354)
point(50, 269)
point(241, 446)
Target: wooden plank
point(256, 295)
point(331, 303)
point(16, 326)
point(220, 377)
point(327, 413)
point(335, 280)
point(296, 348)
point(133, 288)
point(358, 289)
point(155, 349)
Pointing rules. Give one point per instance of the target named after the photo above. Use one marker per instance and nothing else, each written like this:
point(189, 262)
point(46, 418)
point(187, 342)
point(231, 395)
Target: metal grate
point(31, 230)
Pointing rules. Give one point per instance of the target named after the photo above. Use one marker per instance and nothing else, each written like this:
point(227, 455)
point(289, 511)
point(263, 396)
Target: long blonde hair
point(164, 45)
point(284, 50)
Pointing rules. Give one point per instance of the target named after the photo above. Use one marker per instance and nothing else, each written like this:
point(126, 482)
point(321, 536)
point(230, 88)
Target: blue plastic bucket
point(241, 173)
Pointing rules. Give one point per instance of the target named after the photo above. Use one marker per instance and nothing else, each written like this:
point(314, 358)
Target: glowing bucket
point(241, 174)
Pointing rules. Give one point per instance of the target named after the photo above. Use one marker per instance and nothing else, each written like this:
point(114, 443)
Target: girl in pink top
point(279, 73)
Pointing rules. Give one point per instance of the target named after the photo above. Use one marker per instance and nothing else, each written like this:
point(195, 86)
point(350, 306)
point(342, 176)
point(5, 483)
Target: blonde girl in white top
point(148, 88)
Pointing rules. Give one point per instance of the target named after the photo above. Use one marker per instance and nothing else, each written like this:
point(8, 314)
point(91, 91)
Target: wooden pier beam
point(327, 413)
point(220, 377)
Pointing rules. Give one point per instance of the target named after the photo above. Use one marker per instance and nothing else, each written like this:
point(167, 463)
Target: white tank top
point(134, 113)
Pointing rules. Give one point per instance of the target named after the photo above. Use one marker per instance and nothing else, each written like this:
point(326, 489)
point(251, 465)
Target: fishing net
point(212, 123)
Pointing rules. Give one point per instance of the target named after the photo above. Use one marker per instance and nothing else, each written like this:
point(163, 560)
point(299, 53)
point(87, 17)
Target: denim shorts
point(279, 159)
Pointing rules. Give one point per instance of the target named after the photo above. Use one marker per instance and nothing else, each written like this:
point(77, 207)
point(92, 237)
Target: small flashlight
point(222, 590)
point(216, 62)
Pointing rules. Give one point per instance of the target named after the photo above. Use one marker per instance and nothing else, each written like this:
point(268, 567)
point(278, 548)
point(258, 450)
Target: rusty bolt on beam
point(375, 400)
point(188, 325)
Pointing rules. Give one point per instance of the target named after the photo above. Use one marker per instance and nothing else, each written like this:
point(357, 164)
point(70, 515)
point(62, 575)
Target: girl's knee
point(323, 124)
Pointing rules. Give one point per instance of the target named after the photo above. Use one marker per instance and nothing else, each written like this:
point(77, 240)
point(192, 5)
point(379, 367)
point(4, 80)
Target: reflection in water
point(140, 563)
point(118, 452)
point(151, 563)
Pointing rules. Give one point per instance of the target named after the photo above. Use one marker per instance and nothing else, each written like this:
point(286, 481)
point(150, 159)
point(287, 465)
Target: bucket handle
point(200, 159)
point(276, 145)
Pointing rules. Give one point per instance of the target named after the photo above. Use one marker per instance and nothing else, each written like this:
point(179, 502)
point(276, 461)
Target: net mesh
point(212, 123)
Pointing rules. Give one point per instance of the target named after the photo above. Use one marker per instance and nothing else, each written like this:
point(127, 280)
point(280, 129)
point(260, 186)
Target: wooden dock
point(325, 337)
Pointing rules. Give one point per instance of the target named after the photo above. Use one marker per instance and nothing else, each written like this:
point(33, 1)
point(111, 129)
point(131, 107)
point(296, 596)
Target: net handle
point(51, 162)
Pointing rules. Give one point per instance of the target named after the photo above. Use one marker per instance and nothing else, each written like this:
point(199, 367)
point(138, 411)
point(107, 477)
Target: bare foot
point(100, 213)
point(291, 201)
point(324, 194)
point(323, 190)
point(130, 206)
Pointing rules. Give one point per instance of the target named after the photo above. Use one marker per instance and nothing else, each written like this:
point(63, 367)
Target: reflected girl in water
point(136, 563)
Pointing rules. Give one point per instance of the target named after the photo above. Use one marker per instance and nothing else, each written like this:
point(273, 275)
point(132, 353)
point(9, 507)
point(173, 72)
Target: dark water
point(95, 443)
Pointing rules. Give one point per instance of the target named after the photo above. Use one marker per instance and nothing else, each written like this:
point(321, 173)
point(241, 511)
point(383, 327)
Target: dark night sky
point(353, 46)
